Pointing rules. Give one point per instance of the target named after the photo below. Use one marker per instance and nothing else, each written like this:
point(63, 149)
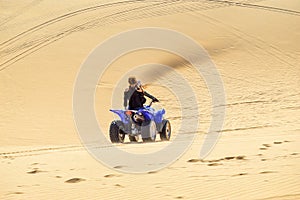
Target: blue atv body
point(145, 122)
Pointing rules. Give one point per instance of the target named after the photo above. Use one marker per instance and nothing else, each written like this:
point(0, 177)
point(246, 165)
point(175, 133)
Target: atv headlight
point(138, 118)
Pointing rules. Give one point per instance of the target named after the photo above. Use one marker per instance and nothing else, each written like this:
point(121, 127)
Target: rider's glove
point(155, 100)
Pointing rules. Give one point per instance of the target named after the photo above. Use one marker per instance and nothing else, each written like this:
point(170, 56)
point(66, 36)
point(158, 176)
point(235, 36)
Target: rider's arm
point(150, 96)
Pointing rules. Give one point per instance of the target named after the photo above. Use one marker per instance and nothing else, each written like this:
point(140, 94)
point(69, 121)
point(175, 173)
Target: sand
point(255, 47)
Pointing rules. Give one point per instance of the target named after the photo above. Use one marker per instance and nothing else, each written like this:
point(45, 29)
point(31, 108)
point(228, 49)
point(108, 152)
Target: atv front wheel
point(149, 131)
point(115, 132)
point(166, 130)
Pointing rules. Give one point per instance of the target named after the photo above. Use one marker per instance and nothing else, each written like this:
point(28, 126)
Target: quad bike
point(145, 122)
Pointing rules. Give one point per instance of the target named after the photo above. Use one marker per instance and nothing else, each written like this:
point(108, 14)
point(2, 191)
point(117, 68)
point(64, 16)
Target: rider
point(135, 94)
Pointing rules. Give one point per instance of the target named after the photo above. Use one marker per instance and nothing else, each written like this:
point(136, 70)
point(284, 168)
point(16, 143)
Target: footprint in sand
point(267, 145)
point(74, 180)
point(35, 171)
point(194, 160)
point(214, 164)
point(16, 193)
point(240, 157)
point(152, 172)
point(229, 157)
point(215, 161)
point(277, 142)
point(262, 148)
point(240, 174)
point(111, 175)
point(267, 172)
point(119, 167)
point(34, 163)
point(118, 185)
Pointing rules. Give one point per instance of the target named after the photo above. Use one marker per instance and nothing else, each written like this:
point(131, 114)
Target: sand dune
point(254, 45)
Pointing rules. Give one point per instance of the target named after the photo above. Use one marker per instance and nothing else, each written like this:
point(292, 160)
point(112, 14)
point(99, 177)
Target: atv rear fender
point(122, 115)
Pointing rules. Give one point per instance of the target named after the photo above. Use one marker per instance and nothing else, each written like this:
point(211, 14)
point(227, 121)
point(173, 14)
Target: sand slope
point(254, 46)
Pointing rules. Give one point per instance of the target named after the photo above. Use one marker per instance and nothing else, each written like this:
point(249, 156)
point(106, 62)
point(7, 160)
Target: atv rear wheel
point(149, 131)
point(115, 132)
point(166, 130)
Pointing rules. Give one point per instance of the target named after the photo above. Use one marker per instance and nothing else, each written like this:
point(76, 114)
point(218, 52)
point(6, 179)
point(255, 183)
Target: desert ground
point(254, 45)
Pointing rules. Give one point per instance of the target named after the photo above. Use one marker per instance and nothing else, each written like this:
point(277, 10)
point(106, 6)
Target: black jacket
point(136, 99)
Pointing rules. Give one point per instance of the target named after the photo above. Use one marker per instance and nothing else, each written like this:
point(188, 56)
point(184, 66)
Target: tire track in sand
point(35, 45)
point(19, 12)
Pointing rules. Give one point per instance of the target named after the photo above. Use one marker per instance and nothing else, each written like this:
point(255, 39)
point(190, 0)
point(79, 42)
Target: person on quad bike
point(135, 95)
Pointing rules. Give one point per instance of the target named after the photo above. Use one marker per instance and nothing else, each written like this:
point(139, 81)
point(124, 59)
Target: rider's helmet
point(132, 80)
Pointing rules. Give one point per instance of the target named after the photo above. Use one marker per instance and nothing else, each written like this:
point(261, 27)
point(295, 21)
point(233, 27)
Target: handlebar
point(154, 100)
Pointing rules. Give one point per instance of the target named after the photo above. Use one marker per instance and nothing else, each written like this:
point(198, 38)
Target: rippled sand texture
point(255, 47)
